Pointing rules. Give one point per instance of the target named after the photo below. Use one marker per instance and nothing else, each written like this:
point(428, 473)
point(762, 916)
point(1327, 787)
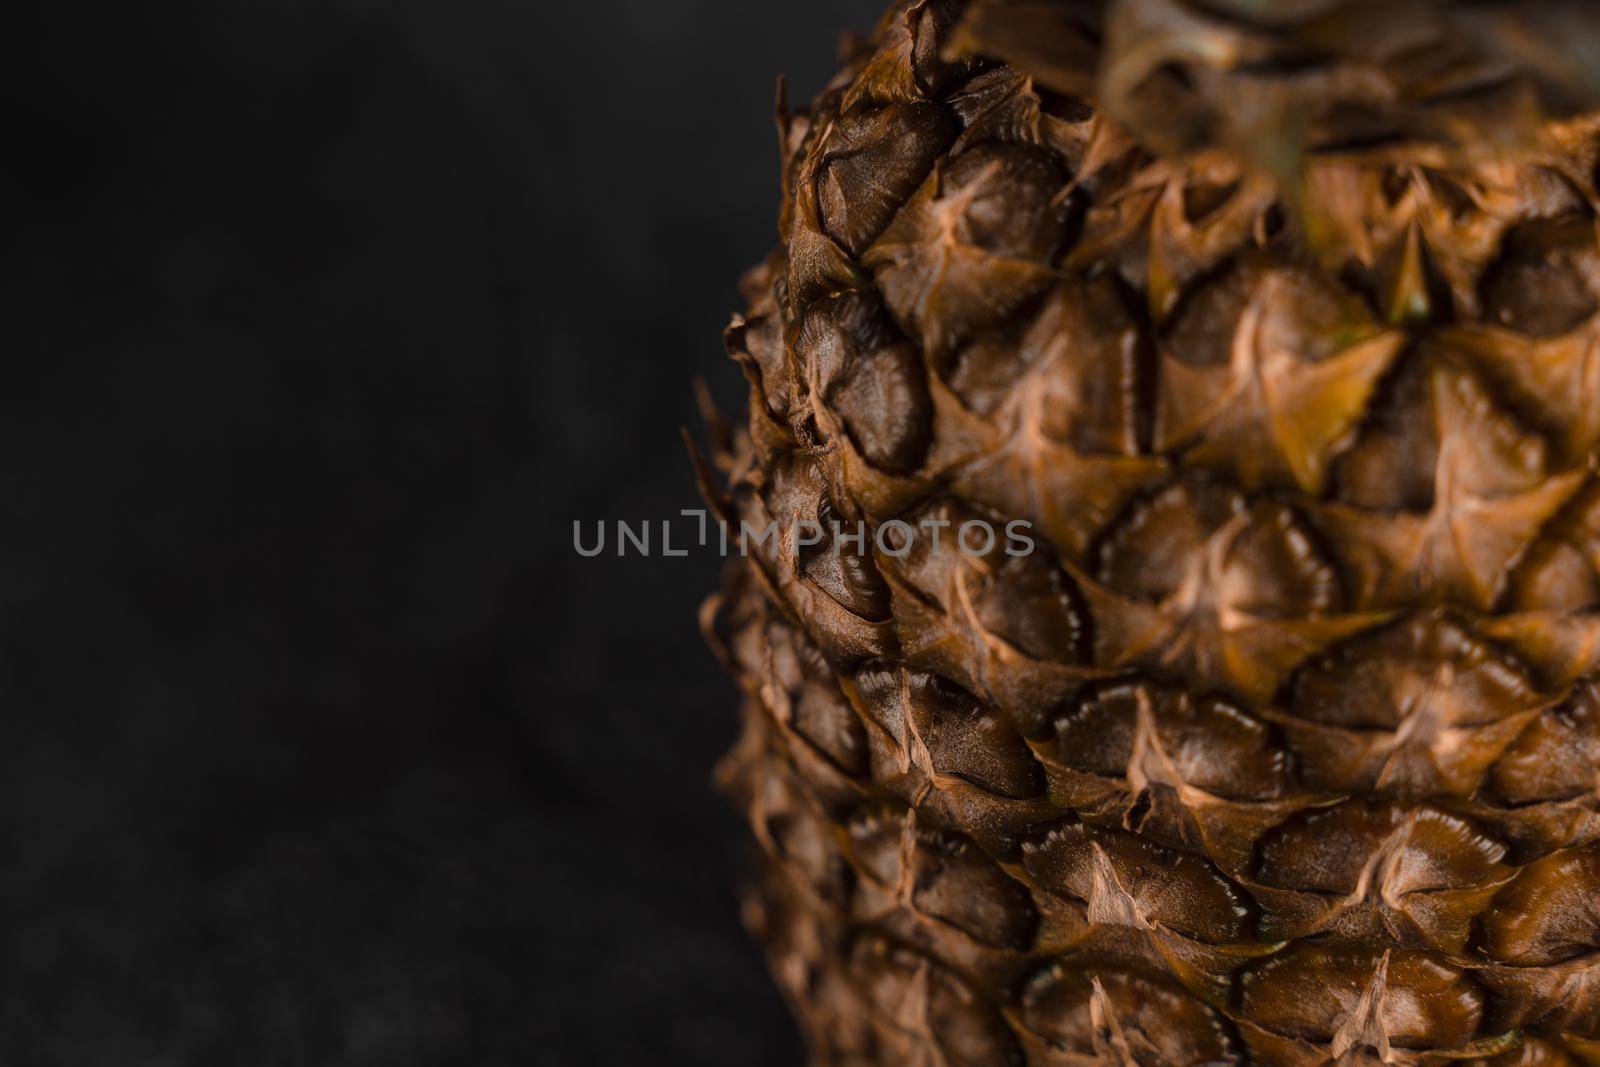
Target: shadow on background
point(320, 744)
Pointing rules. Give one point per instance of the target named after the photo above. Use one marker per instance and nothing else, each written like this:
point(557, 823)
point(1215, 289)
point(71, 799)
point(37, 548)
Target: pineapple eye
point(871, 164)
point(1203, 542)
point(1544, 282)
point(1201, 742)
point(1554, 758)
point(816, 709)
point(1422, 708)
point(1003, 199)
point(1392, 871)
point(953, 878)
point(757, 345)
point(1064, 1001)
point(961, 735)
point(1305, 992)
point(1027, 600)
point(1123, 880)
point(963, 1027)
point(1547, 914)
point(883, 400)
point(872, 380)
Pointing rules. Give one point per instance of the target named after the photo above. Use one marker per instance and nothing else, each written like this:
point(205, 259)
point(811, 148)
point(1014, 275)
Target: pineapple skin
point(1283, 747)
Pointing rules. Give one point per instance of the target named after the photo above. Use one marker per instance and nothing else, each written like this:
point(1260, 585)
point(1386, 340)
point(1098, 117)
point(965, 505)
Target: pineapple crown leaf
point(1273, 82)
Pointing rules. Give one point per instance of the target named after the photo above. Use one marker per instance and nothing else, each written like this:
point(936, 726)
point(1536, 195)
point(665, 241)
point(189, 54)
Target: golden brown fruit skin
point(1279, 325)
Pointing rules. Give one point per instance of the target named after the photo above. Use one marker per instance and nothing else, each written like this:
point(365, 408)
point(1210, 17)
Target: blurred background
point(319, 743)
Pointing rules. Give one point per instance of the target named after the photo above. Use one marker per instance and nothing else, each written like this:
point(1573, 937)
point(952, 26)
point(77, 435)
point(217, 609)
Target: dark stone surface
point(319, 744)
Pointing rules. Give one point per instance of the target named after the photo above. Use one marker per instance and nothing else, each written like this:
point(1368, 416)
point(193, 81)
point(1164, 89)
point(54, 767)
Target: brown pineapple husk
point(1277, 323)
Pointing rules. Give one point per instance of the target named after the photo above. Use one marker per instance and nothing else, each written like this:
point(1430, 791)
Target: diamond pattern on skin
point(1273, 411)
point(1491, 499)
point(1280, 749)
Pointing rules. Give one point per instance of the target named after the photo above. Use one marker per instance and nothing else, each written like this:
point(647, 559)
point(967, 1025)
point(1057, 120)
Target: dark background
point(318, 743)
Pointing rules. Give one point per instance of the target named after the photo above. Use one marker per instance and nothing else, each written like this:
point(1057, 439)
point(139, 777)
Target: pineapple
point(1278, 326)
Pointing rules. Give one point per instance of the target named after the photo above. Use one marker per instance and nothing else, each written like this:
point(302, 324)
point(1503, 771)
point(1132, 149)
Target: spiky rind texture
point(1278, 324)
